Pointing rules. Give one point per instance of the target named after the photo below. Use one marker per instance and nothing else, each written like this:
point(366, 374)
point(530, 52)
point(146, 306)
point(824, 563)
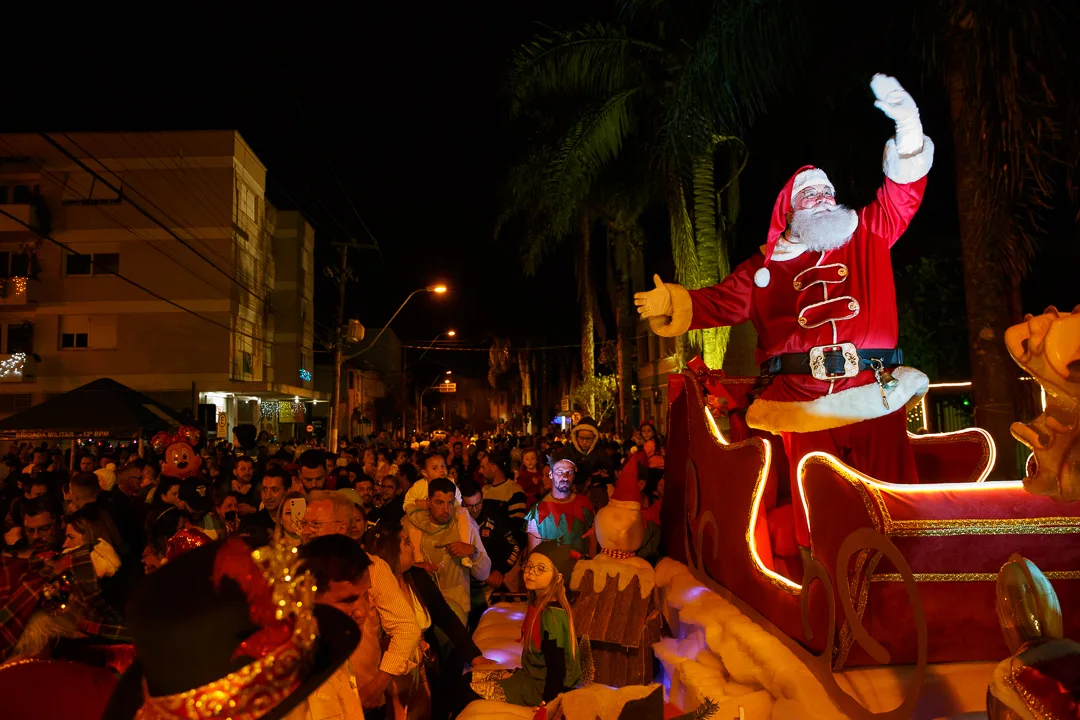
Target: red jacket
point(844, 295)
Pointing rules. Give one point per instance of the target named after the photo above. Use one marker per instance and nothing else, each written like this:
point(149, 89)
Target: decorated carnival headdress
point(226, 631)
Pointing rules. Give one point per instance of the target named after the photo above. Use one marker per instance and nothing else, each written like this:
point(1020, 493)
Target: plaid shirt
point(94, 616)
point(21, 591)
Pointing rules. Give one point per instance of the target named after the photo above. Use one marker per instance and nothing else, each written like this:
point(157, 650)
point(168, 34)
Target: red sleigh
point(728, 517)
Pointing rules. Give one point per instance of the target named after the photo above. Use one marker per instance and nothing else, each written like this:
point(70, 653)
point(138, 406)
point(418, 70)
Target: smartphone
point(296, 507)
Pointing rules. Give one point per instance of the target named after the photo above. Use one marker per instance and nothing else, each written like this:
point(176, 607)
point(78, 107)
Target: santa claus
point(820, 295)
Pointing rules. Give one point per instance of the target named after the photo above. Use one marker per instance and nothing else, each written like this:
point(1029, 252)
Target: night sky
point(397, 102)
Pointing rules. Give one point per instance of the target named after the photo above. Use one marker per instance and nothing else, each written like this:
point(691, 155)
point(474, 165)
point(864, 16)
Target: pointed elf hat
point(626, 487)
point(806, 176)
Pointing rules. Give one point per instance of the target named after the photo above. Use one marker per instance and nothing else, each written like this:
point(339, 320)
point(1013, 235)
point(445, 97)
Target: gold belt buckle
point(817, 361)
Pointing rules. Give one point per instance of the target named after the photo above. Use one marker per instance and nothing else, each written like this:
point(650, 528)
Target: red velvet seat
point(955, 537)
point(963, 456)
point(724, 516)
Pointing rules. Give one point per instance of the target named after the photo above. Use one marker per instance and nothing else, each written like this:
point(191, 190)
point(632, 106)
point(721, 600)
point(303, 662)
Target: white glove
point(900, 107)
point(655, 302)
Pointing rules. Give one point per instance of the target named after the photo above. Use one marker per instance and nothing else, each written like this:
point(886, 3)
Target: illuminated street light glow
point(449, 372)
point(440, 288)
point(451, 333)
point(447, 381)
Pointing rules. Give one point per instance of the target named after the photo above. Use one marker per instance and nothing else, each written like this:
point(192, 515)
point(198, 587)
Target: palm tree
point(678, 89)
point(1002, 66)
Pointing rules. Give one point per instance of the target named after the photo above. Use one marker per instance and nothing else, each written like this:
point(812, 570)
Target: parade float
point(936, 600)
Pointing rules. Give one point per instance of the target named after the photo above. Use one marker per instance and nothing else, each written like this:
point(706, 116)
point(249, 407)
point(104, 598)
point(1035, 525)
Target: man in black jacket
point(503, 538)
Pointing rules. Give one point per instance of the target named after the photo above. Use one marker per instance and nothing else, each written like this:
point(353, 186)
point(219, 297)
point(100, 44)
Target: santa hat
point(806, 176)
point(187, 539)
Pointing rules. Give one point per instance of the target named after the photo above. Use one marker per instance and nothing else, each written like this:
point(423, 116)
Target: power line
point(211, 209)
point(101, 208)
point(135, 205)
point(126, 279)
point(337, 179)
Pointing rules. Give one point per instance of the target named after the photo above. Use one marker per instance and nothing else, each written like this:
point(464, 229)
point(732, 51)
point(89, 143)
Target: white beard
point(824, 227)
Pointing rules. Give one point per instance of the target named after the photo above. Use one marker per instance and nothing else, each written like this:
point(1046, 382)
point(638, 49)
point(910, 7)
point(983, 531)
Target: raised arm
point(908, 157)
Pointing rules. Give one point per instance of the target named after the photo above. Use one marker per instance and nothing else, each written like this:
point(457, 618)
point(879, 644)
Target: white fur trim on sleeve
point(907, 169)
point(846, 407)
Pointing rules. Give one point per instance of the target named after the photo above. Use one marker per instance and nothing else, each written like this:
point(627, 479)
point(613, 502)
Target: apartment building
point(165, 277)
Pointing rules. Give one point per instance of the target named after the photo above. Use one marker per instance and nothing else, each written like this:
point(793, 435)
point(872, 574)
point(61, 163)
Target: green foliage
point(603, 391)
point(933, 334)
point(619, 114)
point(707, 709)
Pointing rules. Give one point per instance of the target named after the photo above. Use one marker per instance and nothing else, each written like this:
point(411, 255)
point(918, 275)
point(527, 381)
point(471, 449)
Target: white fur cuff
point(907, 169)
point(846, 407)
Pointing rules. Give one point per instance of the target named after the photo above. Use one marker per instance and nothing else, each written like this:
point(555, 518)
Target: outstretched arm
point(908, 157)
point(672, 309)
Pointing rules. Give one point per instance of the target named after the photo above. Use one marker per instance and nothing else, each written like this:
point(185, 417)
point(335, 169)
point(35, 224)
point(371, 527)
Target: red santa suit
point(806, 303)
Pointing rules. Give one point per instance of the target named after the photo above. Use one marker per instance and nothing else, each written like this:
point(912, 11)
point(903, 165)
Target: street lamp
point(339, 359)
point(448, 333)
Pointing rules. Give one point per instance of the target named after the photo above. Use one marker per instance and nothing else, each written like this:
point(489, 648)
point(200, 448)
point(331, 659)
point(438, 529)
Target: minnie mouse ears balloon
point(160, 441)
point(185, 434)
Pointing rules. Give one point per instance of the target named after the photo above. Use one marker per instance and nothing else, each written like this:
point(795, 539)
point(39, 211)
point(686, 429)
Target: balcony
point(16, 368)
point(22, 213)
point(17, 291)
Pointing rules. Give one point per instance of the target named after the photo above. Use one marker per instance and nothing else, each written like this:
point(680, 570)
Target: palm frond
point(582, 154)
point(682, 237)
point(739, 64)
point(594, 60)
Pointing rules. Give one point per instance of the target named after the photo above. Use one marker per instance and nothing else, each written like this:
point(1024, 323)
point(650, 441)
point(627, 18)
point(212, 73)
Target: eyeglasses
point(470, 506)
point(316, 526)
point(534, 568)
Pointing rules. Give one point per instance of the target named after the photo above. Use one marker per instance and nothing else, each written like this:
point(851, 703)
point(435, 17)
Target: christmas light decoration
point(13, 365)
point(269, 409)
point(20, 285)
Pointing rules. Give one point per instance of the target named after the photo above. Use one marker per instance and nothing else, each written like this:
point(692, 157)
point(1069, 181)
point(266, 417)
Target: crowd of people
point(414, 539)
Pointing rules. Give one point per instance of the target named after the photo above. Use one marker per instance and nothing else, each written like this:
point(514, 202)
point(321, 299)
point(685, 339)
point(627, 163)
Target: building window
point(246, 201)
point(20, 338)
point(96, 264)
point(21, 195)
point(14, 265)
point(74, 340)
point(87, 332)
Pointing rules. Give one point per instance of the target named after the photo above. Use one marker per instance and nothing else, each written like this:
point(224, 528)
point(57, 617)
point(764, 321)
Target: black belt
point(828, 362)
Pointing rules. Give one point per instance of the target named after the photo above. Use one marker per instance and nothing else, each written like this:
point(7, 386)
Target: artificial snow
point(722, 654)
point(625, 570)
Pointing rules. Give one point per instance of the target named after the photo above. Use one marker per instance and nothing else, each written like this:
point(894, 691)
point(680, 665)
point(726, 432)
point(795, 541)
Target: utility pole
point(335, 395)
point(342, 276)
